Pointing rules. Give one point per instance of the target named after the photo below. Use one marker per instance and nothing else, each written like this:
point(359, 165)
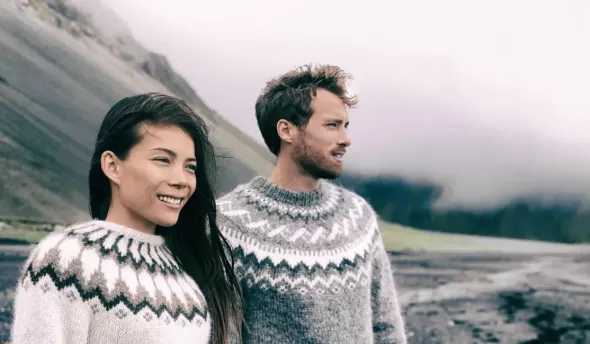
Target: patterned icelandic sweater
point(312, 266)
point(98, 282)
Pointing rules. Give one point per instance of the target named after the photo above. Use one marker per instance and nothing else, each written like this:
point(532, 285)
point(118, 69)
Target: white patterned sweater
point(312, 266)
point(98, 282)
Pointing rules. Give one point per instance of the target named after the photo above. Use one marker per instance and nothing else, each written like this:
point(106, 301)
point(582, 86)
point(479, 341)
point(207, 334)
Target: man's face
point(320, 146)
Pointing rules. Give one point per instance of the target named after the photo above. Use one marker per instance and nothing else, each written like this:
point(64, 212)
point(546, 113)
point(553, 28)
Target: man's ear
point(286, 130)
point(111, 166)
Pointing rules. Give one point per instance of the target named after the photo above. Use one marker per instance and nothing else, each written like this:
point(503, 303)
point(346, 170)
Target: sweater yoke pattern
point(113, 271)
point(288, 244)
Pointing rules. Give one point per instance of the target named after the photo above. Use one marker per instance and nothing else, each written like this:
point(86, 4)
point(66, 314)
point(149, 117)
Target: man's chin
point(328, 174)
point(321, 172)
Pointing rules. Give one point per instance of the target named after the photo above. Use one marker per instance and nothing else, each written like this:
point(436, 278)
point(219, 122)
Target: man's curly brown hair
point(289, 97)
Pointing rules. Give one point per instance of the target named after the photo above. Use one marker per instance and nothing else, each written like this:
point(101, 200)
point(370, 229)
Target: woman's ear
point(111, 166)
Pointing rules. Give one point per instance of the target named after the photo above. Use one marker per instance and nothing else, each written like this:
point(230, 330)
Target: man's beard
point(313, 163)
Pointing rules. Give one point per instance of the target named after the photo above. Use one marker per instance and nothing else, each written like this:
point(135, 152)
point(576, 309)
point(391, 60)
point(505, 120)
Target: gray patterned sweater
point(312, 266)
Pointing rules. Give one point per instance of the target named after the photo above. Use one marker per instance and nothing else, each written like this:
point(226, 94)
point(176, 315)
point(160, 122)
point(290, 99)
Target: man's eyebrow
point(339, 121)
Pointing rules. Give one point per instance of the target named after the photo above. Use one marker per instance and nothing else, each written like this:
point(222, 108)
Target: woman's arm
point(47, 307)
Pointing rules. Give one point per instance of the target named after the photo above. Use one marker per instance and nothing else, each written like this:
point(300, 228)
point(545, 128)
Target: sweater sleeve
point(227, 227)
point(46, 310)
point(388, 323)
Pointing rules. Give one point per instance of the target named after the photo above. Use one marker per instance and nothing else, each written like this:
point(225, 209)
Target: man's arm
point(226, 227)
point(388, 323)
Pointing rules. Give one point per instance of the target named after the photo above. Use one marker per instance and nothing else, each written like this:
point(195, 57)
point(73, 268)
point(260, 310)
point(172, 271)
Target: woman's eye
point(192, 168)
point(162, 159)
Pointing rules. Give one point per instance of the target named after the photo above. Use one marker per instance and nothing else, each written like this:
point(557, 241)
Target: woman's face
point(157, 178)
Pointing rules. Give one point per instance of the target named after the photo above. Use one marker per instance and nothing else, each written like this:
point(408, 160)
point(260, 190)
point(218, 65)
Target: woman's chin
point(167, 221)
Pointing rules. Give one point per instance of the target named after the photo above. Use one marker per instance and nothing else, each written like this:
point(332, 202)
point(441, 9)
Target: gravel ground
point(495, 299)
point(451, 298)
point(11, 258)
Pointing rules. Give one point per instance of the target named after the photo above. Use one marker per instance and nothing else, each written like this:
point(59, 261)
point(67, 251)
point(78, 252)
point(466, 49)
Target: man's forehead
point(325, 97)
point(329, 105)
point(331, 112)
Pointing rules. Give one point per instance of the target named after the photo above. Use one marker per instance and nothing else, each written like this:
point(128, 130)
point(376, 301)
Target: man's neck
point(288, 174)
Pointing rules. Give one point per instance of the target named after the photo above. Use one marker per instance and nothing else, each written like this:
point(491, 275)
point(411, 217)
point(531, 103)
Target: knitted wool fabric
point(312, 266)
point(98, 282)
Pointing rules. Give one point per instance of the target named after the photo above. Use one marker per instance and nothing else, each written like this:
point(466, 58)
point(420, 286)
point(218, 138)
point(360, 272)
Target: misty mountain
point(412, 204)
point(59, 75)
point(63, 65)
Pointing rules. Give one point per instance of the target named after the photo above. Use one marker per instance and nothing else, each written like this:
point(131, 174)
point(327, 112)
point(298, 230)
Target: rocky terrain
point(491, 298)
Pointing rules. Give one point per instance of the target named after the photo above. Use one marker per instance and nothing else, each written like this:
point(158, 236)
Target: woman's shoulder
point(67, 235)
point(59, 247)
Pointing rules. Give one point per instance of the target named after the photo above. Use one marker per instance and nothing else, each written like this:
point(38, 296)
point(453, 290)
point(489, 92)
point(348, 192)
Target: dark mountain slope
point(59, 77)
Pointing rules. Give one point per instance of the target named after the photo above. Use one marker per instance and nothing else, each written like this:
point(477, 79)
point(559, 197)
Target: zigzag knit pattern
point(311, 264)
point(100, 282)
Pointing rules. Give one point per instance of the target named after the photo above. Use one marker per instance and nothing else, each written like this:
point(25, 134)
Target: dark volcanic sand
point(468, 298)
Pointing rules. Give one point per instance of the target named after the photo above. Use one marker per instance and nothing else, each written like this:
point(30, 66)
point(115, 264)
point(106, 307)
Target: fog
point(487, 98)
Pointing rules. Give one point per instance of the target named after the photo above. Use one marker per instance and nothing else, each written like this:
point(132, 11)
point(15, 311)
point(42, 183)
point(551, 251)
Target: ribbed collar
point(284, 195)
point(151, 239)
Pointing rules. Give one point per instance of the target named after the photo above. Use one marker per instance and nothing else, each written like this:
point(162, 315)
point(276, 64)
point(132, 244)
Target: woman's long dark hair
point(195, 239)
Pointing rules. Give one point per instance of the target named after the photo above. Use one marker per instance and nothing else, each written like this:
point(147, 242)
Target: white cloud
point(489, 98)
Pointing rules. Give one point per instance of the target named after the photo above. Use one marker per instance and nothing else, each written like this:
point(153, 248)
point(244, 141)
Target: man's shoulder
point(348, 194)
point(229, 200)
point(232, 194)
point(229, 207)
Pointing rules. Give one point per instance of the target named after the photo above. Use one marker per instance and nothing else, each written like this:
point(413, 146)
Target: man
point(308, 253)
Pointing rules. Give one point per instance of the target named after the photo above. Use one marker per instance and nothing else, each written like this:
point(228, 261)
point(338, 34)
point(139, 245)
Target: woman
point(151, 265)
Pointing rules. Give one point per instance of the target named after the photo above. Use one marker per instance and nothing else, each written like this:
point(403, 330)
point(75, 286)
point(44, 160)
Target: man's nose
point(345, 139)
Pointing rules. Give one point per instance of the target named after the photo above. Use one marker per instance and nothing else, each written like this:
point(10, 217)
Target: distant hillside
point(61, 68)
point(59, 74)
point(411, 204)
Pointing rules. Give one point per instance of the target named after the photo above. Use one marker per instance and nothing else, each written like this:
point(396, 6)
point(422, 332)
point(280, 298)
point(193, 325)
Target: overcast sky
point(489, 98)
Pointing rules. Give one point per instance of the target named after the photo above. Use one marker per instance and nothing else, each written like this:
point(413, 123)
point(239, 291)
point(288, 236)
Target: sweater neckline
point(152, 239)
point(288, 196)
